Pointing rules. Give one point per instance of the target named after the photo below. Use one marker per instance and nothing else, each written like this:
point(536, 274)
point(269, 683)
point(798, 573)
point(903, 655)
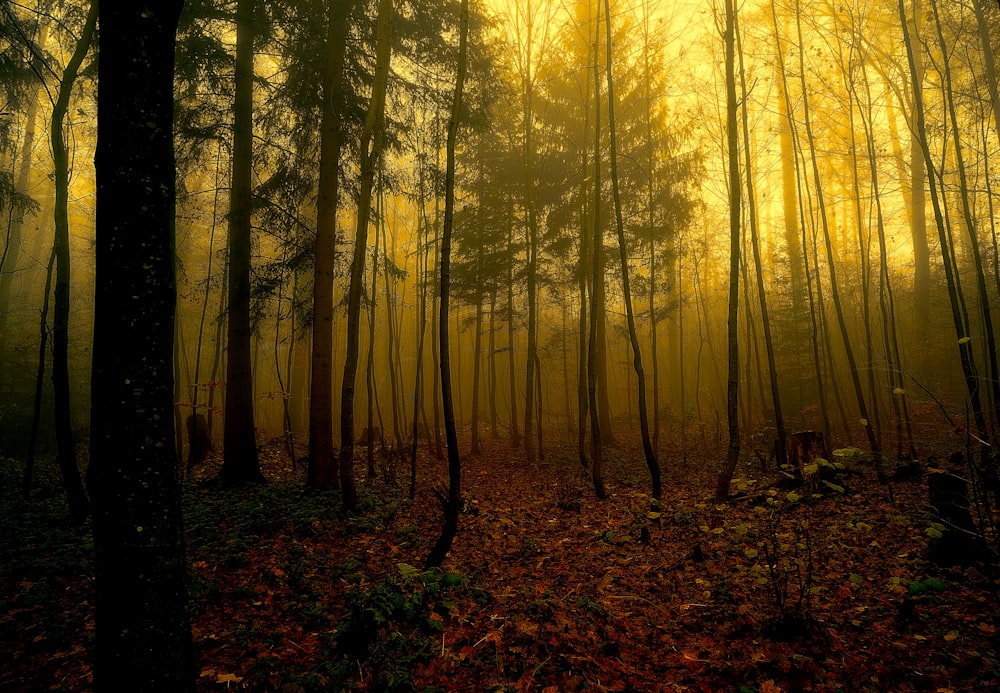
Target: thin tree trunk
point(803, 245)
point(371, 151)
point(966, 354)
point(647, 447)
point(370, 360)
point(597, 269)
point(970, 223)
point(515, 436)
point(418, 376)
point(494, 429)
point(476, 363)
point(453, 505)
point(27, 481)
point(732, 138)
point(765, 319)
point(76, 496)
point(392, 352)
point(873, 441)
point(532, 238)
point(196, 386)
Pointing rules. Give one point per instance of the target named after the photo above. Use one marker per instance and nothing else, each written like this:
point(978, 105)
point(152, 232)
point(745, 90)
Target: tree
point(651, 462)
point(735, 227)
point(65, 442)
point(453, 504)
point(240, 461)
point(372, 137)
point(143, 636)
point(322, 470)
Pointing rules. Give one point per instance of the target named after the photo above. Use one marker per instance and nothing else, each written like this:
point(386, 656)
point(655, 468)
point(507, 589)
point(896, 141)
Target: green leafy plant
point(390, 627)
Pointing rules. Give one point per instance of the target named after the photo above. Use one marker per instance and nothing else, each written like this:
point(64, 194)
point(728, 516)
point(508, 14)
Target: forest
point(499, 345)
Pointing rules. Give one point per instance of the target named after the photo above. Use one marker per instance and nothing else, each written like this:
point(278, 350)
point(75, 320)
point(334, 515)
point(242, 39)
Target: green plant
point(389, 628)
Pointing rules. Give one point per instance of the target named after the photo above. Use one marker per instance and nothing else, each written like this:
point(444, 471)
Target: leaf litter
point(545, 589)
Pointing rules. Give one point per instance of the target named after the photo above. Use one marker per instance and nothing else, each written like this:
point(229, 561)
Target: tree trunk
point(194, 460)
point(918, 181)
point(27, 481)
point(970, 226)
point(418, 385)
point(453, 505)
point(647, 446)
point(143, 634)
point(532, 239)
point(781, 445)
point(873, 441)
point(240, 463)
point(65, 442)
point(597, 269)
point(733, 149)
point(371, 151)
point(322, 469)
point(966, 354)
point(392, 355)
point(515, 436)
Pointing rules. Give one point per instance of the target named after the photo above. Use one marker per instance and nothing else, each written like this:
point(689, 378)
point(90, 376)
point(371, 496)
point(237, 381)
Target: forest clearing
point(546, 587)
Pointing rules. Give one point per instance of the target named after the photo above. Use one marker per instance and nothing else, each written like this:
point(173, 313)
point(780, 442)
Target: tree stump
point(805, 448)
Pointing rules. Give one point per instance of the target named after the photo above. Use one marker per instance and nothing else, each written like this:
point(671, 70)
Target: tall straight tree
point(531, 227)
point(370, 152)
point(735, 225)
point(65, 443)
point(240, 462)
point(143, 634)
point(647, 446)
point(322, 471)
point(597, 284)
point(781, 454)
point(453, 504)
point(873, 441)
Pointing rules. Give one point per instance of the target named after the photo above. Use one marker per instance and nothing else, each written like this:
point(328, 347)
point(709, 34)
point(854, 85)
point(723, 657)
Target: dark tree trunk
point(781, 444)
point(371, 149)
point(453, 504)
point(240, 462)
point(596, 294)
point(647, 447)
point(65, 442)
point(27, 480)
point(143, 634)
point(735, 221)
point(322, 470)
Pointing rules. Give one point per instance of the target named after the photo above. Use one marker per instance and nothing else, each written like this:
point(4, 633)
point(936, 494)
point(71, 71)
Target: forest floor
point(546, 587)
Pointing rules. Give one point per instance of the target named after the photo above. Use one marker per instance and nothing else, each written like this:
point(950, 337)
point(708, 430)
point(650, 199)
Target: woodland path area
point(546, 587)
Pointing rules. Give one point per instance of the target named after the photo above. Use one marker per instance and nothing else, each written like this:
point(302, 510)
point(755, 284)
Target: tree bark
point(65, 440)
point(453, 505)
point(240, 462)
point(647, 446)
point(597, 280)
point(371, 151)
point(732, 139)
point(781, 444)
point(143, 636)
point(322, 470)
